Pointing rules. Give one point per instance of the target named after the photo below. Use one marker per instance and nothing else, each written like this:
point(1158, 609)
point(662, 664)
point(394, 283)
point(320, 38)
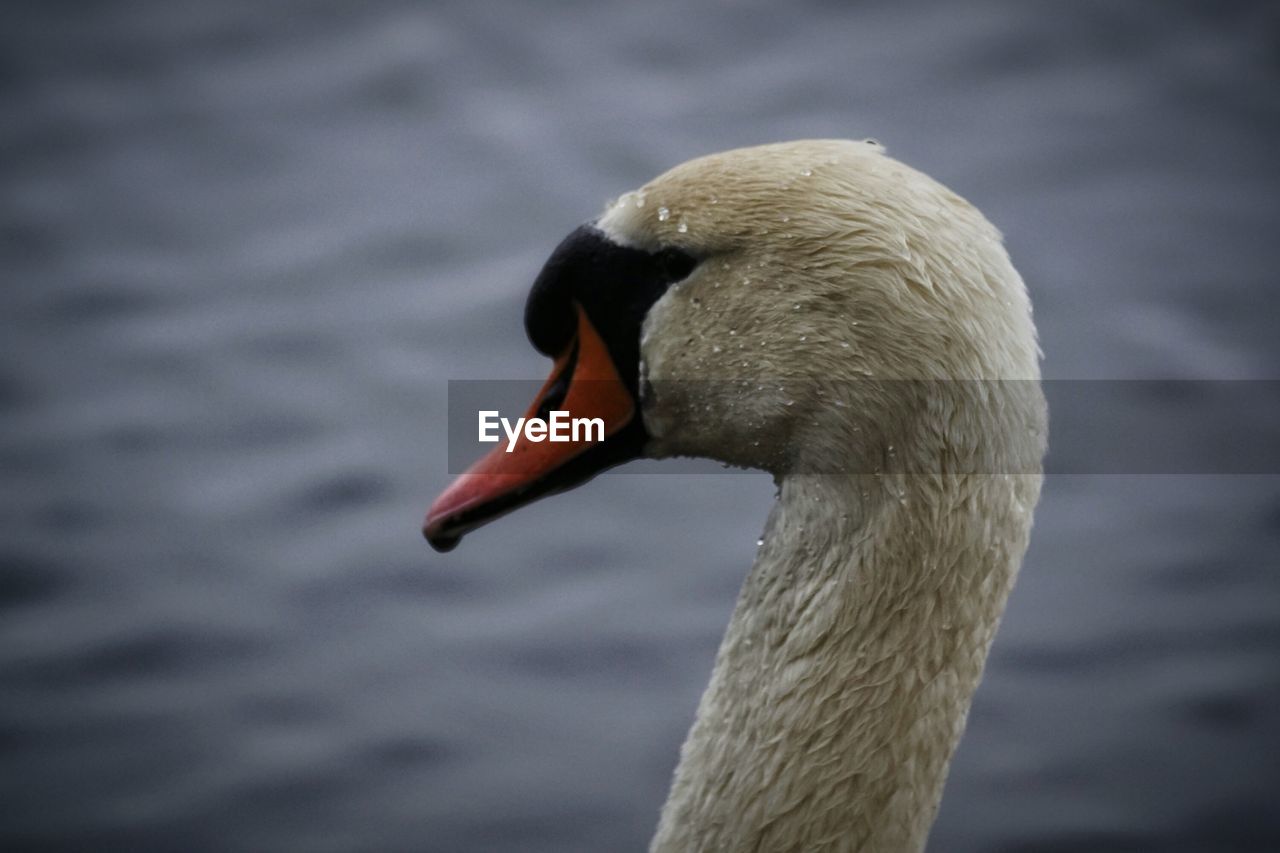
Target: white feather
point(841, 687)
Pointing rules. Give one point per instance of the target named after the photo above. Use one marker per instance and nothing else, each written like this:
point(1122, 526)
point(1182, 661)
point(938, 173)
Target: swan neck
point(843, 681)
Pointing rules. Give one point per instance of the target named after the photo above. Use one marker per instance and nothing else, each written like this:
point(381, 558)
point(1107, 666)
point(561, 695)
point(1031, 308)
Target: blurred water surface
point(244, 247)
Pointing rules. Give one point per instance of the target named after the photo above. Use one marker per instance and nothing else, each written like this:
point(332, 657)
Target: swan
point(823, 312)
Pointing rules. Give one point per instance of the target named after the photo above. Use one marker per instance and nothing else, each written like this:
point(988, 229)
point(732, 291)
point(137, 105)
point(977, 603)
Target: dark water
point(244, 245)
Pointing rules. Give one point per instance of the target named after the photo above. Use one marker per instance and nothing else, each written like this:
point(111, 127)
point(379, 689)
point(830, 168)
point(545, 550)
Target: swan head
point(774, 307)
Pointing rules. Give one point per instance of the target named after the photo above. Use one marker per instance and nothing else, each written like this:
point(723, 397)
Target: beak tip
point(443, 544)
point(433, 530)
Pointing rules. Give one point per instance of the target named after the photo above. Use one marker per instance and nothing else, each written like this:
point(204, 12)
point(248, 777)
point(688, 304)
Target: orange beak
point(501, 481)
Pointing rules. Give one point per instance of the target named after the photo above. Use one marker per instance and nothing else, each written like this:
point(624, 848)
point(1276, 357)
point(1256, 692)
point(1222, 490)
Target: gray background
point(245, 245)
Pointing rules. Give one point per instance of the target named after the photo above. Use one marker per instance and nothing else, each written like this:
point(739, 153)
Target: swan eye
point(675, 264)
